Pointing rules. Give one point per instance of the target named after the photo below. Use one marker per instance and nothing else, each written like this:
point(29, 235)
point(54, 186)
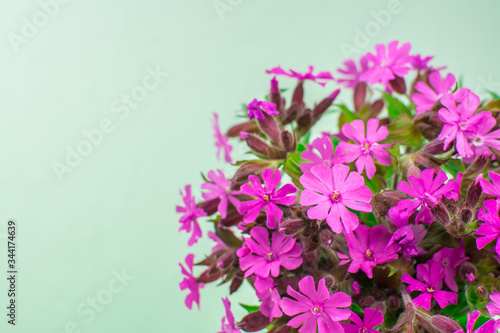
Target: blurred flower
point(327, 156)
point(302, 76)
point(352, 72)
point(189, 218)
point(221, 141)
point(387, 63)
point(490, 229)
point(256, 107)
point(230, 326)
point(220, 189)
point(189, 282)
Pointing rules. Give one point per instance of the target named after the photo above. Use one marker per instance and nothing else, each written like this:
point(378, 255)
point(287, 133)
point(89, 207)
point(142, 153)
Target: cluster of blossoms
point(389, 223)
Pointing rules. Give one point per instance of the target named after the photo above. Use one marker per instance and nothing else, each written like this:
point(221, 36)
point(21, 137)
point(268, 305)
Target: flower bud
point(319, 109)
point(359, 95)
point(236, 283)
point(298, 94)
point(330, 281)
point(275, 153)
point(268, 125)
point(376, 108)
point(465, 215)
point(467, 272)
point(281, 329)
point(326, 237)
point(476, 166)
point(474, 194)
point(225, 260)
point(398, 84)
point(256, 144)
point(427, 161)
point(380, 306)
point(367, 301)
point(481, 291)
point(241, 175)
point(428, 124)
point(288, 142)
point(445, 324)
point(253, 322)
point(210, 206)
point(441, 214)
point(381, 202)
point(355, 288)
point(291, 227)
point(435, 147)
point(248, 126)
point(393, 302)
point(291, 114)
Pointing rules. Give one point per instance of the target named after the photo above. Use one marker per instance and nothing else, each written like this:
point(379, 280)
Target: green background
point(115, 210)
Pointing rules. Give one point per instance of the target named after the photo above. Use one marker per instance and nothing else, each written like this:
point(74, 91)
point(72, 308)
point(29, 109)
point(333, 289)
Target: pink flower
point(189, 282)
point(219, 244)
point(324, 147)
point(367, 248)
point(387, 64)
point(372, 318)
point(419, 63)
point(451, 259)
point(427, 96)
point(220, 188)
point(264, 258)
point(189, 218)
point(494, 308)
point(302, 76)
point(491, 326)
point(490, 229)
point(316, 309)
point(256, 107)
point(460, 121)
point(268, 294)
point(230, 326)
point(481, 139)
point(221, 141)
point(407, 238)
point(427, 192)
point(267, 196)
point(432, 275)
point(352, 72)
point(365, 147)
point(331, 190)
point(492, 189)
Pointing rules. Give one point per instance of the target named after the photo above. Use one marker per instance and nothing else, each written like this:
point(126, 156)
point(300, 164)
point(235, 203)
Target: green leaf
point(292, 167)
point(396, 107)
point(346, 116)
point(250, 308)
point(493, 105)
point(402, 131)
point(494, 95)
point(454, 166)
point(356, 308)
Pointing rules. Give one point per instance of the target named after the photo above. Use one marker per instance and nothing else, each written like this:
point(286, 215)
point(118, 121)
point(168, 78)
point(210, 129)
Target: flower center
point(463, 125)
point(365, 148)
point(478, 142)
point(266, 197)
point(317, 309)
point(369, 253)
point(336, 195)
point(270, 256)
point(445, 262)
point(430, 289)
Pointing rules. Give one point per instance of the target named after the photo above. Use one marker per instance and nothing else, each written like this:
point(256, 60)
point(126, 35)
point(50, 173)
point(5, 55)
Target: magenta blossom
point(427, 192)
point(220, 189)
point(432, 275)
point(219, 244)
point(352, 72)
point(451, 259)
point(427, 96)
point(491, 326)
point(271, 300)
point(372, 318)
point(420, 64)
point(221, 141)
point(256, 107)
point(494, 308)
point(460, 121)
point(264, 258)
point(332, 191)
point(489, 188)
point(302, 76)
point(230, 326)
point(327, 156)
point(189, 282)
point(367, 248)
point(366, 147)
point(267, 196)
point(407, 238)
point(490, 229)
point(388, 63)
point(316, 309)
point(481, 139)
point(189, 218)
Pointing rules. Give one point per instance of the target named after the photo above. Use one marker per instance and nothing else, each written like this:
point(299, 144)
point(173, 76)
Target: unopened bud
point(248, 127)
point(428, 124)
point(465, 215)
point(274, 86)
point(319, 109)
point(440, 213)
point(435, 147)
point(330, 281)
point(481, 291)
point(236, 283)
point(241, 175)
point(291, 227)
point(427, 161)
point(253, 322)
point(326, 237)
point(398, 84)
point(376, 108)
point(210, 206)
point(474, 194)
point(275, 153)
point(367, 301)
point(256, 144)
point(383, 201)
point(298, 94)
point(445, 324)
point(288, 142)
point(359, 95)
point(393, 302)
point(467, 272)
point(268, 125)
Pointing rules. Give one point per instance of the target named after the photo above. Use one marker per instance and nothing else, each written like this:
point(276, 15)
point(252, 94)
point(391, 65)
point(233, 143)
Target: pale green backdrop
point(63, 75)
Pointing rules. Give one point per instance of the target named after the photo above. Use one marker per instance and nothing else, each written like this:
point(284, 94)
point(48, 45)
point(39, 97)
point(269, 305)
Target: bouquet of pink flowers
point(388, 224)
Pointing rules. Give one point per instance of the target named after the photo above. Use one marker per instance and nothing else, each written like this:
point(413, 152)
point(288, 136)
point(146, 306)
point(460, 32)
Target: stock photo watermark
point(122, 106)
point(89, 309)
point(364, 35)
point(33, 24)
point(222, 7)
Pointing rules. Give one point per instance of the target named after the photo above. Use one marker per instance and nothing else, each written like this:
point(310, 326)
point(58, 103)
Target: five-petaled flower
point(427, 192)
point(267, 197)
point(220, 188)
point(190, 215)
point(490, 229)
point(451, 259)
point(265, 258)
point(255, 108)
point(492, 188)
point(352, 72)
point(302, 76)
point(316, 309)
point(221, 141)
point(366, 147)
point(332, 191)
point(427, 96)
point(432, 274)
point(491, 326)
point(368, 248)
point(327, 156)
point(189, 282)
